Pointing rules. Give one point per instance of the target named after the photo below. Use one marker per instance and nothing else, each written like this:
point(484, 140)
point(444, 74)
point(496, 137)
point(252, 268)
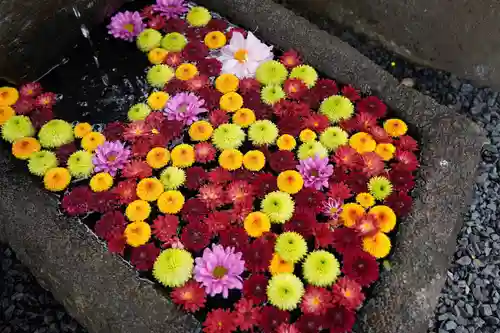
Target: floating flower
point(40, 162)
point(315, 300)
point(321, 268)
point(182, 155)
point(149, 189)
point(337, 108)
point(306, 74)
point(143, 257)
point(278, 265)
point(407, 161)
point(195, 235)
point(79, 201)
point(231, 159)
point(172, 178)
point(219, 321)
point(279, 206)
point(272, 94)
point(215, 40)
point(256, 224)
point(246, 314)
point(148, 39)
point(8, 96)
point(307, 135)
point(159, 75)
point(137, 233)
point(101, 181)
point(244, 117)
point(282, 160)
point(272, 318)
point(173, 267)
point(263, 132)
point(126, 25)
point(228, 136)
point(56, 179)
point(194, 51)
point(158, 157)
point(92, 140)
point(378, 245)
point(231, 102)
point(165, 227)
point(351, 212)
point(365, 199)
point(361, 267)
point(217, 221)
point(254, 288)
point(137, 170)
point(286, 142)
point(17, 127)
point(198, 16)
point(372, 164)
point(190, 296)
point(210, 66)
point(45, 100)
point(82, 129)
point(25, 147)
point(227, 83)
point(170, 8)
point(340, 319)
point(31, 89)
point(315, 172)
point(311, 149)
point(362, 142)
point(291, 246)
point(186, 72)
point(385, 216)
point(333, 137)
point(332, 208)
point(291, 59)
point(385, 151)
point(285, 291)
point(194, 210)
point(110, 157)
point(138, 210)
point(271, 72)
point(290, 181)
point(254, 160)
point(6, 112)
point(294, 88)
point(395, 127)
point(347, 292)
point(156, 56)
point(200, 130)
point(380, 187)
point(204, 152)
point(55, 133)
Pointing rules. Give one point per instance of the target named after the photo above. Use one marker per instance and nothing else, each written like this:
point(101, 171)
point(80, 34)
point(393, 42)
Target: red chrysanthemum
point(212, 195)
point(311, 99)
point(283, 160)
point(239, 191)
point(191, 296)
point(315, 300)
point(40, 117)
point(363, 121)
point(137, 170)
point(400, 202)
point(372, 105)
point(108, 223)
point(339, 174)
point(361, 267)
point(174, 86)
point(196, 33)
point(310, 323)
point(173, 59)
point(219, 175)
point(141, 147)
point(263, 184)
point(357, 182)
point(346, 240)
point(24, 105)
point(114, 131)
point(303, 221)
point(406, 161)
point(401, 180)
point(165, 227)
point(194, 51)
point(351, 93)
point(46, 100)
point(367, 225)
point(170, 130)
point(218, 221)
point(406, 143)
point(147, 12)
point(211, 97)
point(136, 130)
point(294, 88)
point(126, 191)
point(290, 125)
point(323, 235)
point(198, 82)
point(340, 319)
point(347, 157)
point(339, 191)
point(176, 25)
point(194, 210)
point(209, 66)
point(217, 25)
point(195, 177)
point(287, 108)
point(31, 89)
point(195, 236)
point(379, 134)
point(79, 201)
point(316, 122)
point(157, 22)
point(255, 288)
point(258, 255)
point(310, 198)
point(204, 152)
point(106, 201)
point(267, 239)
point(287, 328)
point(240, 211)
point(231, 31)
point(271, 318)
point(247, 315)
point(244, 174)
point(143, 257)
point(325, 88)
point(218, 117)
point(234, 236)
point(117, 242)
point(249, 84)
point(348, 293)
point(373, 164)
point(64, 152)
point(253, 101)
point(291, 59)
point(219, 321)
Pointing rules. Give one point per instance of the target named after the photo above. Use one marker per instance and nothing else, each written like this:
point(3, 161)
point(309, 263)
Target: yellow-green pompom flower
point(285, 291)
point(40, 162)
point(138, 111)
point(17, 127)
point(80, 164)
point(291, 246)
point(198, 16)
point(263, 132)
point(159, 75)
point(311, 149)
point(228, 136)
point(55, 133)
point(148, 39)
point(173, 267)
point(337, 108)
point(272, 94)
point(380, 187)
point(321, 268)
point(278, 206)
point(271, 72)
point(306, 74)
point(172, 178)
point(173, 42)
point(333, 137)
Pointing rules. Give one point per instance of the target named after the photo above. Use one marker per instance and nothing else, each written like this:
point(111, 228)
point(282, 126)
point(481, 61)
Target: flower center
point(129, 27)
point(241, 55)
point(112, 158)
point(187, 295)
point(155, 131)
point(316, 301)
point(219, 272)
point(333, 210)
point(4, 94)
point(182, 108)
point(347, 293)
point(314, 173)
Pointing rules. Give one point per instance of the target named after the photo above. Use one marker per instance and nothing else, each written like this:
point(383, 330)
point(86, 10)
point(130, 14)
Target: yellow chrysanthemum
point(227, 83)
point(378, 245)
point(138, 210)
point(385, 217)
point(198, 16)
point(365, 199)
point(158, 99)
point(149, 189)
point(254, 160)
point(395, 127)
point(244, 117)
point(307, 135)
point(231, 159)
point(215, 40)
point(56, 179)
point(182, 155)
point(23, 148)
point(158, 157)
point(101, 181)
point(186, 72)
point(256, 224)
point(8, 96)
point(92, 140)
point(286, 142)
point(350, 213)
point(137, 233)
point(157, 55)
point(385, 151)
point(231, 102)
point(6, 112)
point(200, 130)
point(290, 181)
point(362, 142)
point(279, 266)
point(170, 202)
point(82, 129)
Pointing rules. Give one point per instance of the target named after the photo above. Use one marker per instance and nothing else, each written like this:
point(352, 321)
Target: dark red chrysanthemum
point(340, 319)
point(401, 180)
point(316, 122)
point(295, 88)
point(372, 105)
point(286, 108)
point(190, 296)
point(126, 191)
point(315, 300)
point(361, 267)
point(195, 177)
point(351, 93)
point(339, 174)
point(117, 242)
point(24, 105)
point(204, 152)
point(141, 147)
point(339, 191)
point(347, 292)
point(176, 25)
point(363, 121)
point(310, 323)
point(173, 59)
point(64, 152)
point(323, 235)
point(310, 198)
point(325, 88)
point(198, 82)
point(347, 157)
point(249, 84)
point(311, 99)
point(219, 321)
point(346, 240)
point(137, 170)
point(31, 89)
point(231, 31)
point(106, 201)
point(406, 161)
point(170, 130)
point(303, 221)
point(234, 236)
point(271, 318)
point(147, 12)
point(400, 202)
point(219, 175)
point(196, 33)
point(380, 135)
point(258, 255)
point(79, 201)
point(114, 131)
point(255, 288)
point(291, 59)
point(46, 100)
point(108, 223)
point(247, 315)
point(211, 97)
point(218, 221)
point(157, 22)
point(209, 66)
point(212, 195)
point(174, 86)
point(373, 164)
point(195, 51)
point(40, 117)
point(244, 174)
point(253, 101)
point(263, 184)
point(194, 210)
point(406, 143)
point(217, 25)
point(218, 117)
point(357, 182)
point(165, 227)
point(290, 125)
point(143, 257)
point(195, 235)
point(283, 160)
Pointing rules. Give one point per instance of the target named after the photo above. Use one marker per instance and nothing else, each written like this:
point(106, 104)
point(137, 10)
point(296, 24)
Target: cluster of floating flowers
point(281, 195)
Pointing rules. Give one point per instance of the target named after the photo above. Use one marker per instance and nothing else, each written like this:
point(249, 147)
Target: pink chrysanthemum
point(315, 300)
point(143, 257)
point(239, 191)
point(31, 89)
point(165, 227)
point(332, 208)
point(247, 315)
point(174, 59)
point(110, 157)
point(170, 8)
point(190, 296)
point(315, 172)
point(46, 100)
point(126, 25)
point(348, 293)
point(347, 157)
point(184, 107)
point(294, 88)
point(291, 59)
point(136, 130)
